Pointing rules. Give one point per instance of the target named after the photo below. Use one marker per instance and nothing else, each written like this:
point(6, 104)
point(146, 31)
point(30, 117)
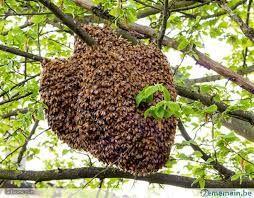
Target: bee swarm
point(90, 100)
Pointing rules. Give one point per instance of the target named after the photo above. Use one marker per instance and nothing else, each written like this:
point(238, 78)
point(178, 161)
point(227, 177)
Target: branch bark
point(14, 113)
point(241, 127)
point(68, 21)
point(219, 77)
point(21, 53)
point(101, 173)
point(208, 63)
point(208, 101)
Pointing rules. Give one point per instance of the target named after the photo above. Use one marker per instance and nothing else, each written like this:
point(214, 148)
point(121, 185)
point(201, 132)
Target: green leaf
point(160, 112)
point(201, 183)
point(38, 19)
point(183, 44)
point(146, 95)
point(198, 154)
point(65, 151)
point(211, 109)
point(235, 177)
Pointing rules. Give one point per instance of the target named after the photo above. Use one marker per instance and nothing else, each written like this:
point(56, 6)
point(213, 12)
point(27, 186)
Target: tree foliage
point(221, 149)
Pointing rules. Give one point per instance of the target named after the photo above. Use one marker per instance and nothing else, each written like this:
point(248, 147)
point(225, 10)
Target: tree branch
point(245, 129)
point(101, 173)
point(24, 147)
point(208, 63)
point(147, 5)
point(15, 98)
point(248, 12)
point(68, 21)
point(21, 53)
point(14, 113)
point(178, 6)
point(208, 101)
point(216, 165)
point(165, 16)
point(25, 14)
point(219, 77)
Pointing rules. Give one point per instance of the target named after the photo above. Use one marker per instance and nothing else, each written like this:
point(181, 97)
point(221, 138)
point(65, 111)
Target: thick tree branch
point(21, 53)
point(101, 173)
point(219, 77)
point(178, 6)
point(14, 113)
point(248, 31)
point(216, 165)
point(208, 63)
point(68, 21)
point(201, 58)
point(242, 128)
point(208, 100)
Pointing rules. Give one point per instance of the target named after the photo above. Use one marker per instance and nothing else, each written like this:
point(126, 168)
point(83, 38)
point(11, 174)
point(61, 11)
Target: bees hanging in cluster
point(90, 100)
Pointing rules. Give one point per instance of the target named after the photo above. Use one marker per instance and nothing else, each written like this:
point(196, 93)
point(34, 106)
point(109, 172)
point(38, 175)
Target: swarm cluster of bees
point(90, 99)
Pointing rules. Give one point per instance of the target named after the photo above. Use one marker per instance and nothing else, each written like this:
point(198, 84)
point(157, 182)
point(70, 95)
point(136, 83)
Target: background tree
point(217, 123)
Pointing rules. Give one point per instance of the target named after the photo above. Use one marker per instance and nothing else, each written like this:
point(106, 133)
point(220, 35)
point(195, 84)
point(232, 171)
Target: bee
point(90, 96)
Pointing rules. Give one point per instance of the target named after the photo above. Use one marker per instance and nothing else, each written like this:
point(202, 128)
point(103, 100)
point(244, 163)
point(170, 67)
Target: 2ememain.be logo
point(226, 193)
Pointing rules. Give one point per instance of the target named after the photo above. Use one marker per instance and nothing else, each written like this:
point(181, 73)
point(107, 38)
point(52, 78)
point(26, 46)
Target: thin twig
point(25, 14)
point(165, 15)
point(15, 98)
point(19, 84)
point(217, 166)
point(10, 154)
point(24, 147)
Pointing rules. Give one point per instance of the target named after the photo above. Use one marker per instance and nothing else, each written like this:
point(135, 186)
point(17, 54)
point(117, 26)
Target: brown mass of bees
point(90, 100)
